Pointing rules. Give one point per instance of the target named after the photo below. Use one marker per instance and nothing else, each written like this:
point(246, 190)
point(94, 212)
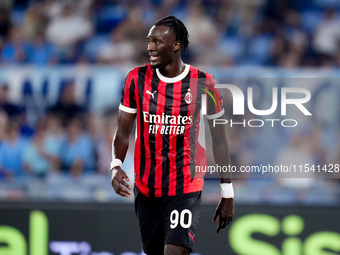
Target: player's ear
point(177, 45)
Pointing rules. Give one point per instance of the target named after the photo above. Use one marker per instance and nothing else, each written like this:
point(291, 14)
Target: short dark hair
point(178, 28)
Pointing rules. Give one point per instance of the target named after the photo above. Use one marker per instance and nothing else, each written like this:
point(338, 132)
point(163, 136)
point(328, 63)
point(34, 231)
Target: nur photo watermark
point(239, 106)
point(270, 170)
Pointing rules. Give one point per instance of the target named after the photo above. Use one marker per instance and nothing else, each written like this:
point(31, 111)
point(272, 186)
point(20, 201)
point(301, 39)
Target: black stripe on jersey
point(141, 80)
point(180, 138)
point(166, 143)
point(152, 140)
point(193, 145)
point(132, 101)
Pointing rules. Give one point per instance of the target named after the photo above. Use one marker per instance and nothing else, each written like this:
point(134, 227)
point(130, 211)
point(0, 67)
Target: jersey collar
point(173, 79)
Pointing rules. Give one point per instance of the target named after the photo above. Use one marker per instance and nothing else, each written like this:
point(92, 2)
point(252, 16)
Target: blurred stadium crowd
point(66, 153)
point(282, 33)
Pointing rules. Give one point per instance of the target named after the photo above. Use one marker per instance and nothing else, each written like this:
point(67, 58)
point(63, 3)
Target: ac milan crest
point(188, 97)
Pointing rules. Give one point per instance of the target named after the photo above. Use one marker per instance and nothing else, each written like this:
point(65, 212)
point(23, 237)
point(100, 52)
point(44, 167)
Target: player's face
point(162, 46)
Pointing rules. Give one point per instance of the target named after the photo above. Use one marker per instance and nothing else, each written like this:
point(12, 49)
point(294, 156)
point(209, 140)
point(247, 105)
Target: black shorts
point(167, 220)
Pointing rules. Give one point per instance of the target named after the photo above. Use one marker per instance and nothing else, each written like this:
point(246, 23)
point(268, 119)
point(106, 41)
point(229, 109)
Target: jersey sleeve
point(128, 101)
point(214, 100)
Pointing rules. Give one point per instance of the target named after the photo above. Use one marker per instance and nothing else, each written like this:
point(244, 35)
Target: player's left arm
point(225, 208)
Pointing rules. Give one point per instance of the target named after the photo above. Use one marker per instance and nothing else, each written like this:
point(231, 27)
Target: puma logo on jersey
point(152, 94)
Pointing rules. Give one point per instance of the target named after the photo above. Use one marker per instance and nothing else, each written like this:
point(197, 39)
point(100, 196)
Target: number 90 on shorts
point(183, 218)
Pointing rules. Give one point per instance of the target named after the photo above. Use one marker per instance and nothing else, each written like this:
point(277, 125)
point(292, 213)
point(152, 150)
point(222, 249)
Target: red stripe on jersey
point(126, 101)
point(177, 87)
point(200, 152)
point(137, 160)
point(145, 108)
point(133, 76)
point(143, 184)
point(193, 184)
point(187, 137)
point(158, 140)
point(126, 90)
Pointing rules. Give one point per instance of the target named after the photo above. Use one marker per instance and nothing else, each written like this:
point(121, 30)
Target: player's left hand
point(225, 211)
point(119, 180)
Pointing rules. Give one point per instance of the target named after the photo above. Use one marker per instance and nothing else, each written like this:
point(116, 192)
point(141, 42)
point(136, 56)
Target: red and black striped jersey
point(170, 131)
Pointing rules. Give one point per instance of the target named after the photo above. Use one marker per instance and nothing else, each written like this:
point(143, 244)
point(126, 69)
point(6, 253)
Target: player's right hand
point(119, 182)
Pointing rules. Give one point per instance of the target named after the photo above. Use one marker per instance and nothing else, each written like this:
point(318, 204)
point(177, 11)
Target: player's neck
point(173, 69)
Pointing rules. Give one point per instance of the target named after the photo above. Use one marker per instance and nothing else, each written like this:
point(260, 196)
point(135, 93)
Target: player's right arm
point(120, 146)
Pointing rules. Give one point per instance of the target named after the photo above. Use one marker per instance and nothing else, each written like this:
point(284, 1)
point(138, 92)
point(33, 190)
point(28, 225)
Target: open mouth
point(153, 58)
